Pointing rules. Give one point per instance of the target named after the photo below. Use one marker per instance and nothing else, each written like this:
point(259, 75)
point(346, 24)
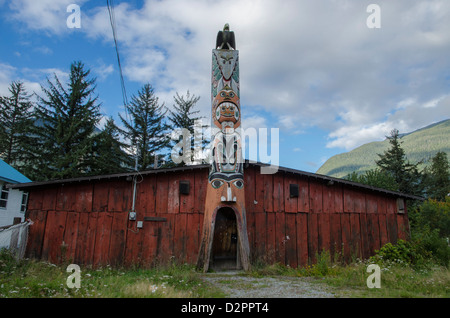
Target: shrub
point(404, 252)
point(9, 263)
point(430, 229)
point(433, 214)
point(437, 246)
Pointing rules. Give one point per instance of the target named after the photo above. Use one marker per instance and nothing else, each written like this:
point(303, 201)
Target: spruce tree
point(15, 125)
point(146, 129)
point(184, 117)
point(110, 152)
point(438, 177)
point(66, 126)
point(394, 162)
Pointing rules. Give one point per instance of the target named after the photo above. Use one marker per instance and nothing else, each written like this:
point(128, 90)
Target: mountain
point(421, 144)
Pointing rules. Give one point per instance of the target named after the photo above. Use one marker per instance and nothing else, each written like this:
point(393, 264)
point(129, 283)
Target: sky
point(329, 76)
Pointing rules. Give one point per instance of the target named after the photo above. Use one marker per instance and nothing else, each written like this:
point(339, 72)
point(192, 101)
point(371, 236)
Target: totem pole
point(225, 189)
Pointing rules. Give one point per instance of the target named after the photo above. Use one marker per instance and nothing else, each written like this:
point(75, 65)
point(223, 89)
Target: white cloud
point(102, 71)
point(351, 136)
point(51, 72)
point(43, 50)
point(44, 15)
point(6, 75)
point(306, 63)
point(405, 119)
point(254, 121)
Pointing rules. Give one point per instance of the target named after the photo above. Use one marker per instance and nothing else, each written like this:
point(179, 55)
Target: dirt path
point(237, 286)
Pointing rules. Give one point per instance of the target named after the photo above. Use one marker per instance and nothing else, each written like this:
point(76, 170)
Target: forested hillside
point(421, 144)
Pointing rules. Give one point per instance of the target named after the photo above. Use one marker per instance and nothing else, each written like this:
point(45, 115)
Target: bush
point(9, 263)
point(430, 229)
point(437, 246)
point(432, 214)
point(404, 252)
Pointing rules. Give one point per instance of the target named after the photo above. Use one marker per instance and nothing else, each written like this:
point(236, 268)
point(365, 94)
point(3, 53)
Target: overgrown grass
point(35, 279)
point(323, 267)
point(398, 278)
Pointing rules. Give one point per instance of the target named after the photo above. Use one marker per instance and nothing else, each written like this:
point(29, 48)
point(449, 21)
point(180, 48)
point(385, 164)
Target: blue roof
point(11, 175)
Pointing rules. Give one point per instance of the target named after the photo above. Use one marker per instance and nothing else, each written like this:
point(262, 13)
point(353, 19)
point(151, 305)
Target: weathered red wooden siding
point(87, 222)
point(348, 221)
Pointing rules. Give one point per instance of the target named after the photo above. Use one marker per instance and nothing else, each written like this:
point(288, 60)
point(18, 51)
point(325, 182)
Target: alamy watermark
point(374, 19)
point(74, 19)
point(374, 280)
point(74, 279)
point(189, 149)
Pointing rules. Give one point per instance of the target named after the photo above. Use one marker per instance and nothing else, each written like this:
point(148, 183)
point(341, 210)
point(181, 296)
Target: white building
point(13, 202)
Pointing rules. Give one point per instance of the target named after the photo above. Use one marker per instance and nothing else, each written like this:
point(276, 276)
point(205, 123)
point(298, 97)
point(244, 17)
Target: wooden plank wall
point(87, 223)
point(347, 221)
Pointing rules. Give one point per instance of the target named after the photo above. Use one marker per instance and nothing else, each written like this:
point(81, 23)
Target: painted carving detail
point(226, 167)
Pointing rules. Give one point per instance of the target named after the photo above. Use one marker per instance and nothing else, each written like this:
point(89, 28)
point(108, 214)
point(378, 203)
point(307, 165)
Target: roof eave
point(205, 166)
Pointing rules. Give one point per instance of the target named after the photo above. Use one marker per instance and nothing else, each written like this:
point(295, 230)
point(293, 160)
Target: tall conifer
point(146, 129)
point(67, 117)
point(394, 162)
point(15, 125)
point(184, 116)
point(111, 155)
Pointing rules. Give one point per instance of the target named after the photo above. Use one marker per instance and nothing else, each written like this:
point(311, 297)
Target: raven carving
point(225, 39)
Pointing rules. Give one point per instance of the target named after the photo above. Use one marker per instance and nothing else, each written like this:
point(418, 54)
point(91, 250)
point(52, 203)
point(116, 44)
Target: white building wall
point(12, 207)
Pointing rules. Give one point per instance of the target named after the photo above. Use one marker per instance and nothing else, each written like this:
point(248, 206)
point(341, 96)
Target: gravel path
point(236, 286)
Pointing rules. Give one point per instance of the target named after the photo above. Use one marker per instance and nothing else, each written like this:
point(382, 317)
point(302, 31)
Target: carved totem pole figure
point(225, 227)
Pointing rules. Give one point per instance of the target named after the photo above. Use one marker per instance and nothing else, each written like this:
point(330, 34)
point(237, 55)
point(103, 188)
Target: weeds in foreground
point(398, 277)
point(37, 279)
point(397, 280)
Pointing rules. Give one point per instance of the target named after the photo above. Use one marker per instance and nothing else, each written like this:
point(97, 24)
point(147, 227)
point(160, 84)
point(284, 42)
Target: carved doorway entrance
point(224, 254)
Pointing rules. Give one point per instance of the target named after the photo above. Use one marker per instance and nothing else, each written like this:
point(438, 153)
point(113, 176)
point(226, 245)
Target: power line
point(112, 20)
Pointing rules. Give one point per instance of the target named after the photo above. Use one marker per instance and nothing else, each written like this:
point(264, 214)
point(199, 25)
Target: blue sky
point(313, 69)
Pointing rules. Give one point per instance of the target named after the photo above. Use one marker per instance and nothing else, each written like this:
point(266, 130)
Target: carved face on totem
point(225, 72)
point(226, 173)
point(226, 106)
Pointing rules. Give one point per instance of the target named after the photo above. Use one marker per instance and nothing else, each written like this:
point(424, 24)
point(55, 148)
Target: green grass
point(398, 279)
point(36, 279)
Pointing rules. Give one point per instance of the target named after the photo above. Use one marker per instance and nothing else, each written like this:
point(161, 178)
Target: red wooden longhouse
point(291, 216)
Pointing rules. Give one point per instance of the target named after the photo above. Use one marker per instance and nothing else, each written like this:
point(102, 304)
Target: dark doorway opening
point(224, 254)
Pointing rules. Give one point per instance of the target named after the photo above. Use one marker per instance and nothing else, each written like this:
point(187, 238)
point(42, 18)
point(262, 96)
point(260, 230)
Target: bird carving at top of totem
point(225, 39)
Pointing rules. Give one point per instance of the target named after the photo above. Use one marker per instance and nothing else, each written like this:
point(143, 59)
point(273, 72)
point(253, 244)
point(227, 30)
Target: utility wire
point(112, 20)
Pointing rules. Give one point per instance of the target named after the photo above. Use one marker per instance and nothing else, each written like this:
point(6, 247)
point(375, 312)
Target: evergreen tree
point(147, 130)
point(395, 163)
point(66, 127)
point(185, 117)
point(438, 177)
point(15, 125)
point(376, 178)
point(110, 153)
